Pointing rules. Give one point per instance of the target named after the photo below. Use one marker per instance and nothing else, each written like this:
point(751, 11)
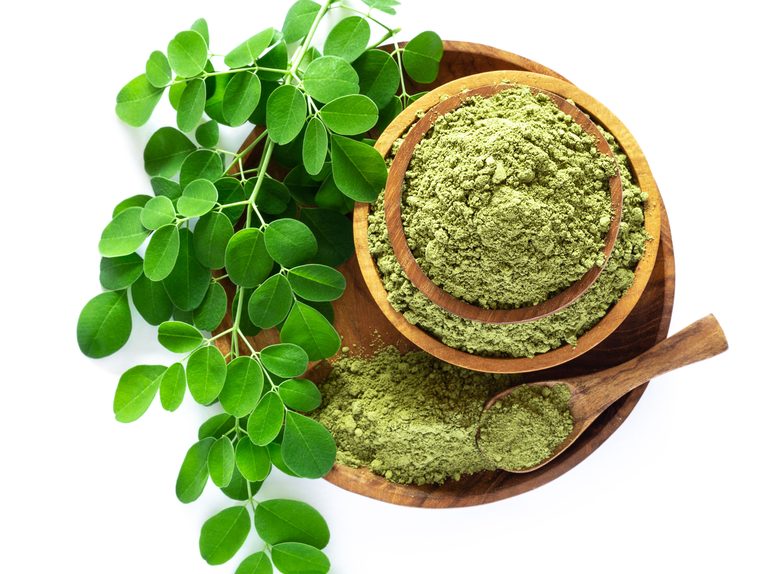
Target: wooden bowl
point(394, 221)
point(618, 313)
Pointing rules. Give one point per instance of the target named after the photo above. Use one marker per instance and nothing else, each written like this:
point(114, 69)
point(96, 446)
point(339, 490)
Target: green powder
point(506, 200)
point(526, 426)
point(523, 339)
point(410, 418)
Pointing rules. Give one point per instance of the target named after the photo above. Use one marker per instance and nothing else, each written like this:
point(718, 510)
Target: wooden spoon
point(592, 394)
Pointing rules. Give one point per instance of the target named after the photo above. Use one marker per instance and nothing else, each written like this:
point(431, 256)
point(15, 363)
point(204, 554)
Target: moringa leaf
point(223, 534)
point(198, 198)
point(284, 359)
point(271, 302)
point(201, 164)
point(242, 387)
point(221, 462)
point(286, 113)
point(165, 151)
point(257, 563)
point(206, 373)
point(315, 282)
point(104, 324)
point(193, 474)
point(136, 101)
point(173, 385)
point(164, 187)
point(315, 146)
point(241, 97)
point(249, 51)
point(162, 253)
point(348, 39)
point(117, 273)
point(276, 59)
point(187, 283)
point(237, 489)
point(310, 330)
point(191, 105)
point(212, 310)
point(280, 520)
point(300, 394)
point(289, 242)
point(158, 70)
point(157, 212)
point(124, 234)
point(350, 115)
point(329, 197)
point(308, 448)
point(379, 76)
point(421, 57)
point(207, 134)
point(247, 261)
point(359, 170)
point(386, 6)
point(273, 196)
point(330, 77)
point(252, 460)
point(151, 300)
point(266, 420)
point(212, 233)
point(216, 426)
point(179, 337)
point(299, 558)
point(133, 201)
point(201, 27)
point(333, 232)
point(188, 53)
point(136, 390)
point(299, 20)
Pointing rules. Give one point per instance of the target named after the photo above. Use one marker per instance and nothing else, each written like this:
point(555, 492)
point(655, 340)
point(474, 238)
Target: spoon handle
point(698, 341)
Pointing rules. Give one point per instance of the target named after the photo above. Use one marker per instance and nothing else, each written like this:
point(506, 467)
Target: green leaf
point(246, 327)
point(301, 185)
point(421, 57)
point(308, 448)
point(333, 232)
point(164, 187)
point(247, 261)
point(133, 201)
point(221, 462)
point(379, 76)
point(206, 373)
point(277, 59)
point(223, 534)
point(165, 151)
point(211, 311)
point(193, 473)
point(315, 282)
point(231, 191)
point(237, 489)
point(281, 520)
point(242, 388)
point(252, 460)
point(124, 234)
point(162, 252)
point(315, 146)
point(329, 197)
point(271, 302)
point(300, 394)
point(350, 115)
point(191, 105)
point(348, 39)
point(213, 105)
point(257, 563)
point(248, 52)
point(173, 385)
point(198, 198)
point(266, 420)
point(179, 337)
point(188, 53)
point(137, 100)
point(299, 20)
point(386, 6)
point(277, 458)
point(201, 27)
point(241, 97)
point(104, 324)
point(158, 211)
point(289, 242)
point(158, 70)
point(284, 359)
point(273, 196)
point(188, 283)
point(207, 134)
point(117, 273)
point(358, 169)
point(151, 300)
point(388, 113)
point(216, 426)
point(136, 390)
point(298, 558)
point(330, 77)
point(212, 233)
point(202, 164)
point(286, 113)
point(307, 328)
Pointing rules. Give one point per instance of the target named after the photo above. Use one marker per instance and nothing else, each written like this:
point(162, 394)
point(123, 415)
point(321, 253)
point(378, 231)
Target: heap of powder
point(410, 418)
point(521, 339)
point(525, 427)
point(506, 200)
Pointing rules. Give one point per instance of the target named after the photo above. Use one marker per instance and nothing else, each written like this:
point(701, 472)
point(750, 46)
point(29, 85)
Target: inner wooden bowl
point(395, 229)
point(618, 312)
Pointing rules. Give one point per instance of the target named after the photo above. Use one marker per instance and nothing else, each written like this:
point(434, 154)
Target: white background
point(681, 485)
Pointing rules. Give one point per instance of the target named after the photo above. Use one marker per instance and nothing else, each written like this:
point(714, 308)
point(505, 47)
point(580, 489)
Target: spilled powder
point(506, 201)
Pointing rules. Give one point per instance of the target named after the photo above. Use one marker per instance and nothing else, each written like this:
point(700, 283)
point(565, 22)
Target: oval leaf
point(223, 534)
point(211, 311)
point(151, 300)
point(241, 97)
point(136, 390)
point(221, 462)
point(308, 448)
point(298, 20)
point(104, 324)
point(289, 242)
point(191, 105)
point(348, 39)
point(273, 196)
point(133, 201)
point(158, 70)
point(216, 426)
point(179, 337)
point(350, 115)
point(201, 164)
point(280, 520)
point(421, 57)
point(252, 460)
point(162, 252)
point(257, 563)
point(284, 359)
point(193, 474)
point(157, 212)
point(206, 373)
point(247, 52)
point(124, 234)
point(314, 148)
point(172, 387)
point(207, 134)
point(198, 198)
point(330, 77)
point(298, 558)
point(247, 261)
point(136, 101)
point(212, 233)
point(315, 282)
point(165, 151)
point(188, 53)
point(300, 394)
point(379, 76)
point(359, 170)
point(117, 273)
point(334, 235)
point(188, 282)
point(310, 330)
point(242, 387)
point(286, 113)
point(271, 302)
point(266, 420)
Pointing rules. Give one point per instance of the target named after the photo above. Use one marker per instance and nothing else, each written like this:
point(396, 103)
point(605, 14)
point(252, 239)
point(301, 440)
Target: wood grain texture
point(394, 221)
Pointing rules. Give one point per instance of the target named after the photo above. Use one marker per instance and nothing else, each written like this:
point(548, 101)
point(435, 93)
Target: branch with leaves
point(276, 240)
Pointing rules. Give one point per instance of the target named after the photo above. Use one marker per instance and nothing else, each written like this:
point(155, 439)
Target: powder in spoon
point(525, 427)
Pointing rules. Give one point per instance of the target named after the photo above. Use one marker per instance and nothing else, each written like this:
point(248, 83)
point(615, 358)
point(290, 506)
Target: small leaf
point(257, 563)
point(223, 534)
point(137, 100)
point(307, 328)
point(212, 233)
point(266, 420)
point(241, 97)
point(158, 70)
point(221, 462)
point(386, 6)
point(212, 310)
point(389, 112)
point(242, 388)
point(216, 427)
point(133, 201)
point(191, 105)
point(124, 234)
point(308, 448)
point(286, 113)
point(277, 458)
point(248, 52)
point(300, 394)
point(164, 187)
point(151, 300)
point(281, 520)
point(206, 373)
point(179, 337)
point(271, 302)
point(173, 385)
point(301, 185)
point(289, 242)
point(193, 474)
point(165, 151)
point(348, 39)
point(136, 390)
point(358, 169)
point(201, 164)
point(188, 53)
point(299, 20)
point(104, 324)
point(201, 27)
point(330, 77)
point(207, 134)
point(277, 59)
point(329, 197)
point(198, 198)
point(315, 146)
point(350, 115)
point(421, 57)
point(247, 261)
point(252, 460)
point(379, 76)
point(333, 232)
point(298, 558)
point(162, 252)
point(315, 282)
point(157, 212)
point(237, 489)
point(117, 273)
point(284, 359)
point(188, 282)
point(273, 196)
